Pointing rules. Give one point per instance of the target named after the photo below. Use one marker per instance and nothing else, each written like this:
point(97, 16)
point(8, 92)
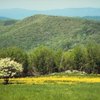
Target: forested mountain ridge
point(53, 31)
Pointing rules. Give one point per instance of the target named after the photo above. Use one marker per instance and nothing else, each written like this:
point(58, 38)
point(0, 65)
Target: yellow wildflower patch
point(54, 79)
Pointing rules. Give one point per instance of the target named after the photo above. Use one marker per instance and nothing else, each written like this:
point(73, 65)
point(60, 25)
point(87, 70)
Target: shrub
point(42, 58)
point(16, 54)
point(9, 68)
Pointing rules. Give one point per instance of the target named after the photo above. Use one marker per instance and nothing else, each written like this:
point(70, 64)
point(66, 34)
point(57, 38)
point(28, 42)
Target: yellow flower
point(55, 79)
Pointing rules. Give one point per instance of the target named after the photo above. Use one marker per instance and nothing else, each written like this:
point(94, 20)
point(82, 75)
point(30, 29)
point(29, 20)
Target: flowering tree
point(9, 68)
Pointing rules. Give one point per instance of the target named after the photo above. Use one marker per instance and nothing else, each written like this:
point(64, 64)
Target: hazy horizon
point(50, 9)
point(48, 4)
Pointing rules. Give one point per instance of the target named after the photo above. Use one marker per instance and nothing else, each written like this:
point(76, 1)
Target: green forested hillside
point(53, 31)
point(5, 24)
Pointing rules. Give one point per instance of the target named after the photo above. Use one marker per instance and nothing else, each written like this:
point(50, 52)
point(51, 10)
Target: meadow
point(52, 87)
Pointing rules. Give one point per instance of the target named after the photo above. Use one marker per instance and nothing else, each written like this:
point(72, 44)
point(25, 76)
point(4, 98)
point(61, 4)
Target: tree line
point(44, 60)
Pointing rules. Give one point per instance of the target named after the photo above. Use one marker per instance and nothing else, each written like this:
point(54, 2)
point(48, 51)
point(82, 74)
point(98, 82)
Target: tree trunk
point(6, 81)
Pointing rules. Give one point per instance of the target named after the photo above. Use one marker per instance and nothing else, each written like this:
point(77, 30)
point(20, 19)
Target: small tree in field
point(9, 68)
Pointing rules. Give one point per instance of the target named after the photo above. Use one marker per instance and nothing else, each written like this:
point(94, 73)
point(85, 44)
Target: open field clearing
point(59, 79)
point(53, 79)
point(80, 91)
point(52, 87)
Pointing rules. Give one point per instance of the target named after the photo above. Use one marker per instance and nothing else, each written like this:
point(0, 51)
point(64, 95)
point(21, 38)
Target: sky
point(48, 4)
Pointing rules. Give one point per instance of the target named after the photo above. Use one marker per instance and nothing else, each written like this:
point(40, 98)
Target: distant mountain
point(4, 18)
point(17, 13)
point(22, 13)
point(53, 31)
point(4, 21)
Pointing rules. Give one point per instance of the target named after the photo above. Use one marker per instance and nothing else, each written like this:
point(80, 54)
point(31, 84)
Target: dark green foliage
point(67, 61)
point(58, 58)
point(10, 22)
point(93, 58)
point(74, 59)
point(80, 57)
point(42, 59)
point(7, 21)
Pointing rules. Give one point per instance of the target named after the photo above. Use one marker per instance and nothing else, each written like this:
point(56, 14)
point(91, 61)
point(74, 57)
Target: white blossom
point(9, 68)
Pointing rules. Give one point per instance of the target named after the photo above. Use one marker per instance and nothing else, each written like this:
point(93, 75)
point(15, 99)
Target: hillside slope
point(53, 31)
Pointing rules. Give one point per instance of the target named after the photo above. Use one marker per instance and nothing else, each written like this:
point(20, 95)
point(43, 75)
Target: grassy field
point(53, 87)
point(82, 91)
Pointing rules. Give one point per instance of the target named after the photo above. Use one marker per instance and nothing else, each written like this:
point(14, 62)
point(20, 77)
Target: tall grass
point(81, 91)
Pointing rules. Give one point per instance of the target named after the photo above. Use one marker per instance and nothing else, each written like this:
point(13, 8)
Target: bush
point(67, 61)
point(93, 58)
point(42, 59)
point(16, 54)
point(9, 68)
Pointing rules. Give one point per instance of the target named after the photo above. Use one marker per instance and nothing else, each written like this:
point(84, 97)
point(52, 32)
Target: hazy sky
point(48, 4)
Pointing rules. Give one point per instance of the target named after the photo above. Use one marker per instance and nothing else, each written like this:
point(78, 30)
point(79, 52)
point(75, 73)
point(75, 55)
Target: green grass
point(81, 91)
